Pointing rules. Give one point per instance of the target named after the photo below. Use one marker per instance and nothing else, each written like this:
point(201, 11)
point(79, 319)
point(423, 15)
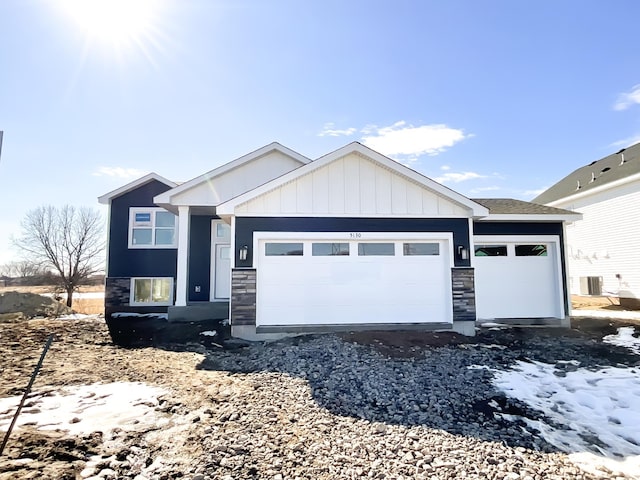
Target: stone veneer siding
point(464, 294)
point(117, 291)
point(243, 296)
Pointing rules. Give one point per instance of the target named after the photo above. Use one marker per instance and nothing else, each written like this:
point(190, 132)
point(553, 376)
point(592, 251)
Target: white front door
point(334, 279)
point(517, 279)
point(223, 271)
point(220, 261)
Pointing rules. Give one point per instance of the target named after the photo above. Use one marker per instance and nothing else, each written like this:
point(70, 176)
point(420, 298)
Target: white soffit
point(107, 197)
point(167, 197)
point(386, 199)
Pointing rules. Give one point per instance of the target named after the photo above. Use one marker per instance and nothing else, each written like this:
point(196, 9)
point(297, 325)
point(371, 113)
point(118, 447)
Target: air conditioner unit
point(590, 285)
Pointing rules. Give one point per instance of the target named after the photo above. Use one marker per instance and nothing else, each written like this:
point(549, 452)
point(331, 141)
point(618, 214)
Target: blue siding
point(139, 262)
point(517, 228)
point(245, 226)
point(200, 257)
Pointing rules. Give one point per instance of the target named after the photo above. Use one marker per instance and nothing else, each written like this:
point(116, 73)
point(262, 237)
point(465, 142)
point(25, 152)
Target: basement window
point(152, 228)
point(151, 291)
point(491, 251)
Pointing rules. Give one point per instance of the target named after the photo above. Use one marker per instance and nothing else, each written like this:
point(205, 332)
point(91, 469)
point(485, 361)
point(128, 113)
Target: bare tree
point(66, 240)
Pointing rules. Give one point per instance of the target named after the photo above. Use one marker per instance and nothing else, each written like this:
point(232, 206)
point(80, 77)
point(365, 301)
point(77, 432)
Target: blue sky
point(492, 98)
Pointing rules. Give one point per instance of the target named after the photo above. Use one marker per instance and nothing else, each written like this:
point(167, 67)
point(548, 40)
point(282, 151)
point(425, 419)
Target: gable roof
point(511, 209)
point(228, 207)
point(607, 172)
point(107, 197)
point(165, 198)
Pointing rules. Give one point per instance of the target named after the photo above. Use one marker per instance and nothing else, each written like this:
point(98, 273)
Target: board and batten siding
point(352, 186)
point(238, 180)
point(605, 242)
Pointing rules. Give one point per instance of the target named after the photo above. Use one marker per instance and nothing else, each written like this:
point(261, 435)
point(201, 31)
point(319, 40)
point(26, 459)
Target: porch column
point(183, 255)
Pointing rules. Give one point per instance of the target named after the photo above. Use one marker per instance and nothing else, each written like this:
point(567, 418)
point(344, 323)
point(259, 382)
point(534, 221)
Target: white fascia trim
point(570, 217)
point(593, 191)
point(478, 210)
point(107, 197)
point(165, 197)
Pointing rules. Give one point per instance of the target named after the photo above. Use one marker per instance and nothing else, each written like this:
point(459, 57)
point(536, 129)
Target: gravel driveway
point(384, 405)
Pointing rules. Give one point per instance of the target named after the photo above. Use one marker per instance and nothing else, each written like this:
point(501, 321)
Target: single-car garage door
point(358, 278)
point(517, 279)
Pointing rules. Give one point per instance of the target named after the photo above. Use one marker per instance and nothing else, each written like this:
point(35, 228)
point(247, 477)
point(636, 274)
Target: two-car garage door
point(353, 278)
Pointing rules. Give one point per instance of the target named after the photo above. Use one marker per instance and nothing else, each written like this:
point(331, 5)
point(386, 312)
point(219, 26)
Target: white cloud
point(407, 140)
point(628, 99)
point(329, 130)
point(454, 177)
point(627, 142)
point(445, 167)
point(119, 172)
point(485, 189)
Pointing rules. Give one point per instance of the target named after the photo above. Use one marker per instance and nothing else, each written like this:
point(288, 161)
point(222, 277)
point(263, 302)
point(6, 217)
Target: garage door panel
point(513, 286)
point(322, 290)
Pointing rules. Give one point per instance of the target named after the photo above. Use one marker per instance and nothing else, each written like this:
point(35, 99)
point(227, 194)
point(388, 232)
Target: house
point(281, 244)
point(602, 252)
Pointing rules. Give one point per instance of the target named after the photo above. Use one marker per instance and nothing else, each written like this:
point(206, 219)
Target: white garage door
point(518, 279)
point(366, 280)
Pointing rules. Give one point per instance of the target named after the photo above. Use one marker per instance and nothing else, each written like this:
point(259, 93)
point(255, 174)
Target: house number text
point(355, 235)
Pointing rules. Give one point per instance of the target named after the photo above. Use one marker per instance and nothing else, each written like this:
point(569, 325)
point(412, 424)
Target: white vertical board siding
point(237, 181)
point(605, 242)
point(352, 186)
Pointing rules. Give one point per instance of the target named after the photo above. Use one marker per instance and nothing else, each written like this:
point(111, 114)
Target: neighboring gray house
point(352, 240)
point(602, 249)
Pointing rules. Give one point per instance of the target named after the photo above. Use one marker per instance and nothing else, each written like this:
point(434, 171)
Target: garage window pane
point(280, 249)
point(531, 250)
point(329, 249)
point(421, 249)
point(377, 249)
point(491, 250)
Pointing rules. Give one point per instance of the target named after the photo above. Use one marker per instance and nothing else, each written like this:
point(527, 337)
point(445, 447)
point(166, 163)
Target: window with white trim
point(152, 228)
point(151, 291)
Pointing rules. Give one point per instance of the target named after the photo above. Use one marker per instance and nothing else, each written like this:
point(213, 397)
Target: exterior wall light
point(463, 252)
point(243, 252)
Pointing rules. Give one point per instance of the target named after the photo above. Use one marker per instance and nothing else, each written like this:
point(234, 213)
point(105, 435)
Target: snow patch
point(209, 333)
point(624, 338)
point(593, 415)
point(84, 409)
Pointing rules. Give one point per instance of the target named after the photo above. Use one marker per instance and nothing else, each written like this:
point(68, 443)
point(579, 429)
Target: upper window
point(376, 249)
point(491, 250)
point(152, 228)
point(409, 249)
point(329, 249)
point(531, 250)
point(282, 249)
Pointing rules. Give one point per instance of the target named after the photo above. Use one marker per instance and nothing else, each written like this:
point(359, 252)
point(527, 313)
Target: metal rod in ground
point(26, 392)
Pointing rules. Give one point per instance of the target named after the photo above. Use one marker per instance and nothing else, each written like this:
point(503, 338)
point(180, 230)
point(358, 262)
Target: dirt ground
point(82, 353)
